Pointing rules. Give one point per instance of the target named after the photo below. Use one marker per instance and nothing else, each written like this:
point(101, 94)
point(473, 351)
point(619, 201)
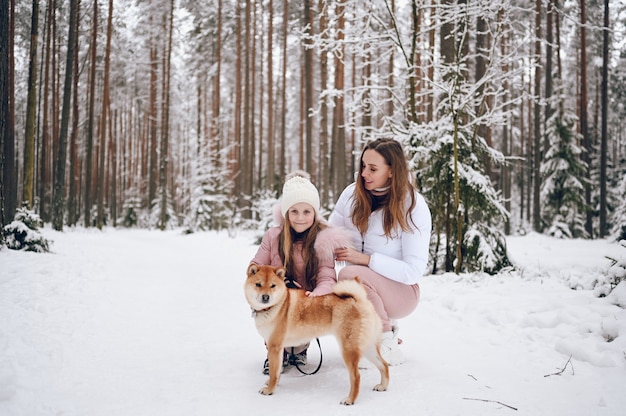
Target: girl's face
point(376, 172)
point(301, 216)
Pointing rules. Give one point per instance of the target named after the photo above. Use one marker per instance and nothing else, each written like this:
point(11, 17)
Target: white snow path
point(154, 323)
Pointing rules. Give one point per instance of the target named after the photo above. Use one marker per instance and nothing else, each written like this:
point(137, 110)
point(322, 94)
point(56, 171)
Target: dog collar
point(255, 312)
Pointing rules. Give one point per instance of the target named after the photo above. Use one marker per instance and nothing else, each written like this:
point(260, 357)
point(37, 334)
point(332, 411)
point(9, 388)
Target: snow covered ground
point(137, 322)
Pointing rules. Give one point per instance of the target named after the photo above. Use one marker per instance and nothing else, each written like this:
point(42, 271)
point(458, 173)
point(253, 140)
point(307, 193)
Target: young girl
point(304, 244)
point(390, 225)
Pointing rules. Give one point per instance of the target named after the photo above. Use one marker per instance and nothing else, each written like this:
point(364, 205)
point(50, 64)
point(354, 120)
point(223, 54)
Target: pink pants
point(391, 299)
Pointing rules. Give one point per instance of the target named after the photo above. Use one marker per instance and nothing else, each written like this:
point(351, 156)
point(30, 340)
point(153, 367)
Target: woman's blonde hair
point(396, 213)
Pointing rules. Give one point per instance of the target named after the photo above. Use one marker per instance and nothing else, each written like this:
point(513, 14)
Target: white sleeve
point(415, 250)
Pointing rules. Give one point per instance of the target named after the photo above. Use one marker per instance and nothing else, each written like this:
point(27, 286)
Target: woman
point(304, 244)
point(390, 225)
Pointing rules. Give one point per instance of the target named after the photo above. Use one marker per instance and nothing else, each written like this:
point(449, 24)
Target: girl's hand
point(352, 256)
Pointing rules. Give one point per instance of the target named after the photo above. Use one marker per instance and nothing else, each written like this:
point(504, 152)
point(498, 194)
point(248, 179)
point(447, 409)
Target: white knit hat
point(298, 188)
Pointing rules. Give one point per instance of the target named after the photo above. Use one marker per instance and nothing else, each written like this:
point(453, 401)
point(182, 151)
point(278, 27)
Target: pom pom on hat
point(298, 188)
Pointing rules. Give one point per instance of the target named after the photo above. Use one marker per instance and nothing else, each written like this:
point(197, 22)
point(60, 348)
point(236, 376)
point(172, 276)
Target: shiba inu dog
point(287, 317)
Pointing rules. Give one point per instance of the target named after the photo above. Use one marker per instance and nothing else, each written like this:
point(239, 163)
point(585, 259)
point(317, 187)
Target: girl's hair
point(396, 214)
point(286, 241)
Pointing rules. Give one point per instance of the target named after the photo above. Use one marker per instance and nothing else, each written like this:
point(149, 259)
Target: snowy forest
point(187, 113)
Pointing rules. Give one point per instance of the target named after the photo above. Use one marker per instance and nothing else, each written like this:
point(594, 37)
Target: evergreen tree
point(618, 217)
point(563, 170)
point(212, 208)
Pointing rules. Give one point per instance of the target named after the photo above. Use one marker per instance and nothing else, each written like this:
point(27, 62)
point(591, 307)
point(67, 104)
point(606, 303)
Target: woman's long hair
point(286, 242)
point(396, 213)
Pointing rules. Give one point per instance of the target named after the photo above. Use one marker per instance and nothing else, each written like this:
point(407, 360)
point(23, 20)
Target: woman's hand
point(352, 256)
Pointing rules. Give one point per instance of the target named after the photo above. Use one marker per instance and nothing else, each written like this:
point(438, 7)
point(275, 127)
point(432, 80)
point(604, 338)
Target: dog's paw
point(380, 387)
point(266, 392)
point(347, 402)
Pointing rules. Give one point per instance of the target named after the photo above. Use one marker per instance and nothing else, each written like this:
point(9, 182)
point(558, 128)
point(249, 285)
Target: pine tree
point(564, 181)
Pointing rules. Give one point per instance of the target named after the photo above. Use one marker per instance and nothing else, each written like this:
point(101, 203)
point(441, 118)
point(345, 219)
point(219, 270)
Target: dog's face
point(265, 286)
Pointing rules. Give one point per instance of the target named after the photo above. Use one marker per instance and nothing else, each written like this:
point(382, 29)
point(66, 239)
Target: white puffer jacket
point(402, 258)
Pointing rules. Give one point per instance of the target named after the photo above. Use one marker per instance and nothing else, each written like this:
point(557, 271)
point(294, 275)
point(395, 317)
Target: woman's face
point(301, 216)
point(376, 172)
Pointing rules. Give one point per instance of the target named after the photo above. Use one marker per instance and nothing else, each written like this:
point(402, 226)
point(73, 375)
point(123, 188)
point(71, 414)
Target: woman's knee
point(349, 272)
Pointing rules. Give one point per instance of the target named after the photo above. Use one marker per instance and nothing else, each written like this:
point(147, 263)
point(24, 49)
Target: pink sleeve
point(326, 278)
point(264, 252)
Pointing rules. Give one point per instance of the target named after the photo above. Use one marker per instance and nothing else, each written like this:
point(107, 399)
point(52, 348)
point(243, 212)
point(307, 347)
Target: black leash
point(295, 362)
point(292, 284)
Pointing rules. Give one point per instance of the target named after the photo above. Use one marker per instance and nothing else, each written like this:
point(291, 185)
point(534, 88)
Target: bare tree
point(61, 160)
point(28, 194)
point(164, 154)
point(537, 123)
point(8, 173)
point(4, 104)
point(604, 139)
point(88, 198)
point(584, 126)
point(338, 138)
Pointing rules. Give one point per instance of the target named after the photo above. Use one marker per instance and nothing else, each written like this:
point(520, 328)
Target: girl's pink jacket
point(328, 240)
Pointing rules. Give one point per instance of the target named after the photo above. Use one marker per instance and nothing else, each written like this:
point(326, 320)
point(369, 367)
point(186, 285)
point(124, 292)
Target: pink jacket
point(328, 240)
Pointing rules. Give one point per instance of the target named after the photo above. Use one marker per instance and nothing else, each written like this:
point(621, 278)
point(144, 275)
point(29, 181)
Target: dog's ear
point(252, 269)
point(280, 272)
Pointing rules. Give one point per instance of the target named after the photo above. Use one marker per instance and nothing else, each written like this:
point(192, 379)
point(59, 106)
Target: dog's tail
point(350, 289)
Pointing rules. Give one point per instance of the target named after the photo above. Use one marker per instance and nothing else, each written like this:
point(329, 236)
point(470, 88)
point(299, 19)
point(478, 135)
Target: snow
point(138, 322)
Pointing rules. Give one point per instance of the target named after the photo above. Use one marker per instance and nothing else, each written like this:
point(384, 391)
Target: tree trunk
point(236, 137)
point(28, 196)
point(88, 199)
point(271, 180)
point(604, 134)
point(283, 127)
point(4, 107)
point(584, 127)
point(339, 162)
point(8, 173)
point(104, 119)
point(537, 123)
point(216, 100)
point(550, 16)
point(322, 177)
point(308, 86)
point(61, 160)
point(164, 156)
point(74, 176)
point(152, 122)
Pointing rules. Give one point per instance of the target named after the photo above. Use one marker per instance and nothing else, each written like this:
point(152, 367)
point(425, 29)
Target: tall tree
point(536, 184)
point(28, 190)
point(8, 173)
point(153, 172)
point(58, 212)
point(91, 96)
point(101, 191)
point(271, 180)
point(604, 139)
point(584, 126)
point(74, 176)
point(4, 101)
point(164, 154)
point(283, 91)
point(338, 138)
point(323, 178)
point(308, 85)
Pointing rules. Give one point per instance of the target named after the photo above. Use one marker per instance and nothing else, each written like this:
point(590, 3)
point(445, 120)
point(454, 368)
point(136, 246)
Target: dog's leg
point(372, 353)
point(275, 357)
point(351, 359)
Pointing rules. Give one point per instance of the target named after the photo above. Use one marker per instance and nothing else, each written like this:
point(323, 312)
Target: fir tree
point(563, 173)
